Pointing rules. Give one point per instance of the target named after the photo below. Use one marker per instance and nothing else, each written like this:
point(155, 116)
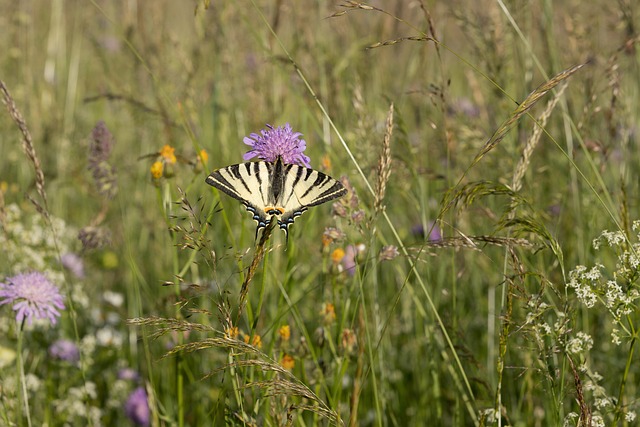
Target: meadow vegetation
point(483, 268)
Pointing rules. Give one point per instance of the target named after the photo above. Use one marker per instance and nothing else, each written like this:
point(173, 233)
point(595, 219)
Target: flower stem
point(259, 255)
point(24, 397)
point(627, 368)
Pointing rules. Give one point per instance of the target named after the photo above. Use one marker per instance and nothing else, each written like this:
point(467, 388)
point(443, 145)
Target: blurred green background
point(449, 332)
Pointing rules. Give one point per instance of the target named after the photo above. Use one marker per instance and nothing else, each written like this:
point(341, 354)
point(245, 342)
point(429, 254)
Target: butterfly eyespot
point(273, 211)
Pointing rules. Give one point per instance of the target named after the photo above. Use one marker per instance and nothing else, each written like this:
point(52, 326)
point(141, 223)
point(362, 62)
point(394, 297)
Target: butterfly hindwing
point(275, 189)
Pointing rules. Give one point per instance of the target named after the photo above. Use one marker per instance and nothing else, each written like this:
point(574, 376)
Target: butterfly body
point(276, 189)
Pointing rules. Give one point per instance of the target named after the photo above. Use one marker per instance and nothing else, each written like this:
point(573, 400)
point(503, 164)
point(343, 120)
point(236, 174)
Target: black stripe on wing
point(224, 180)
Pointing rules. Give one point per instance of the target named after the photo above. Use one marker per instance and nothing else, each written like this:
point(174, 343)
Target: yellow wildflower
point(232, 332)
point(204, 156)
point(328, 312)
point(168, 152)
point(285, 332)
point(337, 255)
point(287, 362)
point(256, 341)
point(326, 162)
point(157, 169)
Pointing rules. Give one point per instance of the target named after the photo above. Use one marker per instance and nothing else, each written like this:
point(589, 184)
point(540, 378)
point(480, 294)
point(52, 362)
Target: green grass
point(520, 159)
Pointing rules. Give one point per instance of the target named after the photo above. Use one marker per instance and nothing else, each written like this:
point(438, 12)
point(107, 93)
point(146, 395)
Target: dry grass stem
point(533, 140)
point(284, 383)
point(474, 242)
point(384, 163)
point(523, 108)
point(29, 149)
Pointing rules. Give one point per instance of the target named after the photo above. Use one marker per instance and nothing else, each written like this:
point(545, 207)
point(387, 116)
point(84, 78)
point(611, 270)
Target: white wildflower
point(613, 293)
point(597, 420)
point(602, 402)
point(570, 419)
point(108, 336)
point(546, 328)
point(615, 337)
point(33, 382)
point(114, 298)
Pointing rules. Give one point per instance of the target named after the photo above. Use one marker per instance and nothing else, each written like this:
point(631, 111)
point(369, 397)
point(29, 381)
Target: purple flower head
point(137, 407)
point(65, 350)
point(278, 141)
point(128, 374)
point(101, 143)
point(435, 233)
point(74, 264)
point(351, 253)
point(32, 295)
point(100, 146)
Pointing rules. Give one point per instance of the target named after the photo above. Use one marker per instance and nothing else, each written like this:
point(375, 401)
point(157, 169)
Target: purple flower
point(32, 295)
point(74, 264)
point(278, 141)
point(65, 350)
point(137, 407)
point(351, 253)
point(128, 374)
point(435, 233)
point(100, 146)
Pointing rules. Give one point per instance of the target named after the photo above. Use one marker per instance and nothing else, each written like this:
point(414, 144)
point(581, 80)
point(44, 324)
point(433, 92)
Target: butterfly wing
point(304, 187)
point(248, 182)
point(267, 189)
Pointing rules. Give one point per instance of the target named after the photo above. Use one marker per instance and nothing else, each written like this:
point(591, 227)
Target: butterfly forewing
point(249, 183)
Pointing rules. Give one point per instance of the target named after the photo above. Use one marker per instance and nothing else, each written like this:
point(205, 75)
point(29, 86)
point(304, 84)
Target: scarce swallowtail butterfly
point(276, 189)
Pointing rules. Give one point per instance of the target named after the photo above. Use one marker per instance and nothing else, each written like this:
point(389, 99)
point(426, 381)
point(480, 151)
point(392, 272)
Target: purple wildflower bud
point(332, 234)
point(100, 146)
point(387, 253)
point(74, 264)
point(277, 142)
point(65, 350)
point(137, 407)
point(94, 237)
point(32, 295)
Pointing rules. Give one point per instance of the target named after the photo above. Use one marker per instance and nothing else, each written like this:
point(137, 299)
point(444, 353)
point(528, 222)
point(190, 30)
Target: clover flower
point(32, 295)
point(137, 407)
point(65, 350)
point(277, 142)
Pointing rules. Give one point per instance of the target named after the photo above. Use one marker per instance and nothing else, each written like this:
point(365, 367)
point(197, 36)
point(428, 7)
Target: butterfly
point(276, 189)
